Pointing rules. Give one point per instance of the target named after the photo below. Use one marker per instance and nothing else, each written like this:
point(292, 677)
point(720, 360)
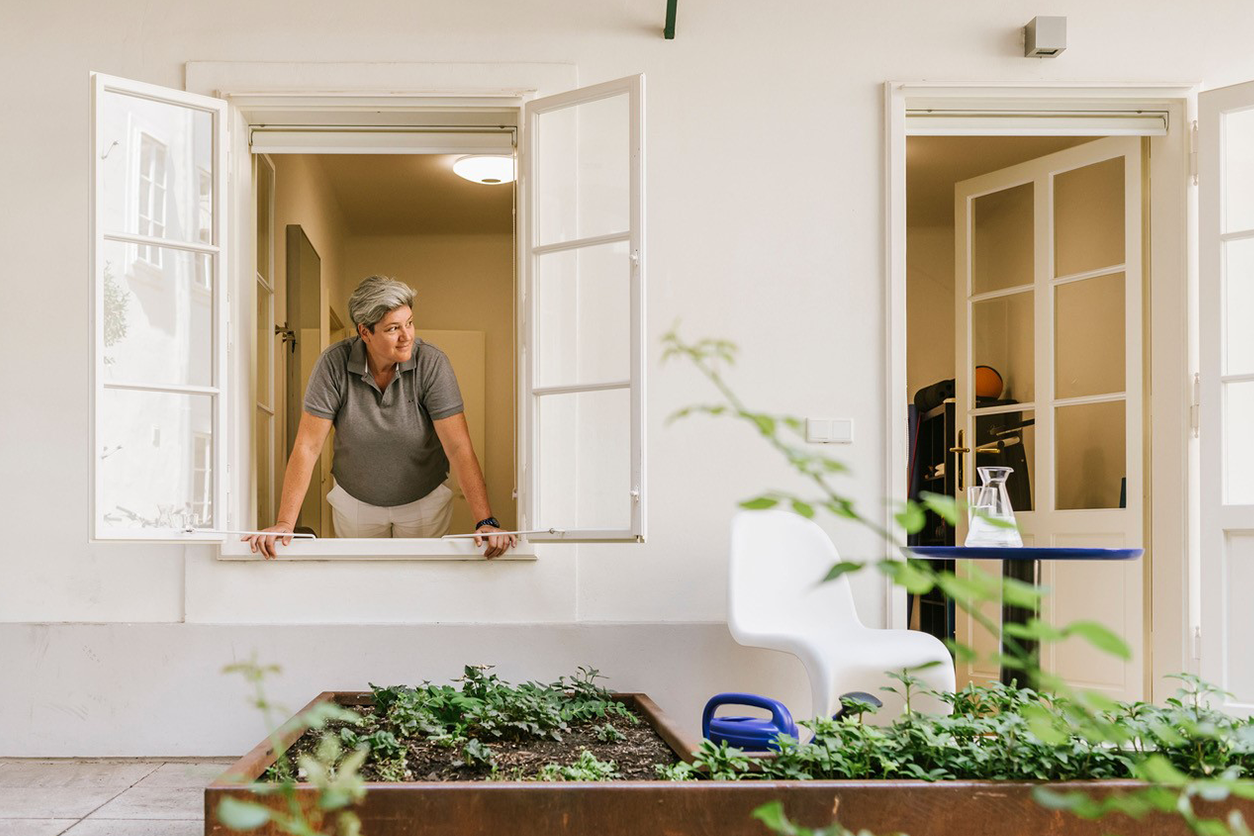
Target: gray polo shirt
point(386, 449)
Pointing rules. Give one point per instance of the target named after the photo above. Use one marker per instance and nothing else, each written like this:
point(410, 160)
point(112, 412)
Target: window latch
point(287, 334)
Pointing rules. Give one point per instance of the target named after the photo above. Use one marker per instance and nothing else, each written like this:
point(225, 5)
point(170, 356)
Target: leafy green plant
point(608, 734)
point(587, 768)
point(1060, 730)
point(333, 774)
point(721, 762)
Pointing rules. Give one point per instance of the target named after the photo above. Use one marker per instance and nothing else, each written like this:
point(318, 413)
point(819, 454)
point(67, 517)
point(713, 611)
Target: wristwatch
point(489, 521)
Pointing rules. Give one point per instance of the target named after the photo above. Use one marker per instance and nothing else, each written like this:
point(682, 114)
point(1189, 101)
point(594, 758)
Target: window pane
point(1089, 337)
point(1238, 452)
point(1089, 227)
point(1002, 239)
point(1090, 451)
point(263, 431)
point(584, 441)
point(158, 316)
point(265, 186)
point(155, 459)
point(1002, 337)
point(265, 347)
point(583, 170)
point(155, 156)
point(584, 310)
point(1238, 306)
point(1008, 440)
point(1238, 171)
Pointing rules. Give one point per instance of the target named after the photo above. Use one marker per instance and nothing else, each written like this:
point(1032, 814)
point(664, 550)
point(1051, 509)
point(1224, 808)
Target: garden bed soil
point(643, 807)
point(635, 755)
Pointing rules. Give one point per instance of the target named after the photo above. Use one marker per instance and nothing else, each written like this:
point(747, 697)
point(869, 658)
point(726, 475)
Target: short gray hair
point(376, 297)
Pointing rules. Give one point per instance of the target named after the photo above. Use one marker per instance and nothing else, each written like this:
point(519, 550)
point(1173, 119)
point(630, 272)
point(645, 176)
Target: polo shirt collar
point(357, 357)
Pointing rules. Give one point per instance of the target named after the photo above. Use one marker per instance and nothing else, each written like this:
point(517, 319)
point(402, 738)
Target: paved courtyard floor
point(105, 797)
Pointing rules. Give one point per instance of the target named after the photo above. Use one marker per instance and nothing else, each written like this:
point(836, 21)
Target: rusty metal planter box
point(694, 808)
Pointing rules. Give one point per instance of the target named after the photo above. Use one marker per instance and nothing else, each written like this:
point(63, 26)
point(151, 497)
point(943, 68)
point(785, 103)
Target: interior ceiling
point(414, 194)
point(935, 163)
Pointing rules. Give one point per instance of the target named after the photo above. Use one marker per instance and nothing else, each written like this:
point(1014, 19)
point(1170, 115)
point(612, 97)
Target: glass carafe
point(991, 523)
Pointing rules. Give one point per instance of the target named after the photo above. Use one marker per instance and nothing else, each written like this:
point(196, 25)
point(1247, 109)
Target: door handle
point(960, 449)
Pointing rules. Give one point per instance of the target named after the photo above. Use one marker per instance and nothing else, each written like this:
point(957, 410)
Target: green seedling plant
point(608, 734)
point(1184, 751)
point(587, 768)
point(332, 773)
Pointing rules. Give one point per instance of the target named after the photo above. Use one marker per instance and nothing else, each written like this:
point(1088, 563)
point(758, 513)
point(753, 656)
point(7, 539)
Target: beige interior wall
point(302, 197)
point(929, 305)
point(464, 283)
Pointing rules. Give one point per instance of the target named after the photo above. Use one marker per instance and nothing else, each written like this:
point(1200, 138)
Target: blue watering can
point(752, 734)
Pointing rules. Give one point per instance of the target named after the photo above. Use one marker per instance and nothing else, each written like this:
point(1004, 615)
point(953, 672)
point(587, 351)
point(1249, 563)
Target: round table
point(1023, 564)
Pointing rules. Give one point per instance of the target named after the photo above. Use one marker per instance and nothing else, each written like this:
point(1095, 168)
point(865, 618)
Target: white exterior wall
point(765, 214)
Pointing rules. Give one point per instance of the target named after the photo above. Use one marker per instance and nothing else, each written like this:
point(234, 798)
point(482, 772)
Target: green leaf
point(772, 815)
point(1018, 593)
point(903, 574)
point(1043, 725)
point(759, 504)
point(242, 815)
point(946, 507)
point(841, 568)
point(911, 517)
point(805, 509)
point(1158, 770)
point(1101, 637)
point(766, 424)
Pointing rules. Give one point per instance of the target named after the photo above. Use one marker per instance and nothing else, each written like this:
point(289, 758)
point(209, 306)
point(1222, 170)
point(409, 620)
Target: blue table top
point(1025, 553)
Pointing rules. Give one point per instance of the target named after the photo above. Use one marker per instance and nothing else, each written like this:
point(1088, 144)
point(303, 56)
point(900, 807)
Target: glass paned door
point(159, 231)
point(1048, 325)
point(583, 309)
point(1226, 306)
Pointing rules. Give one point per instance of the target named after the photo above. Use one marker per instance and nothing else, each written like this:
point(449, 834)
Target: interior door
point(1226, 308)
point(1049, 281)
point(304, 317)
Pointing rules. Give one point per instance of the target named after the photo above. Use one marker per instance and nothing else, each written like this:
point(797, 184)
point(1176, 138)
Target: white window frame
point(264, 401)
point(633, 88)
point(220, 382)
point(366, 94)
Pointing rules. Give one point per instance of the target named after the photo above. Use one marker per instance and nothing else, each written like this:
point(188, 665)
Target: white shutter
point(583, 310)
point(1226, 309)
point(159, 276)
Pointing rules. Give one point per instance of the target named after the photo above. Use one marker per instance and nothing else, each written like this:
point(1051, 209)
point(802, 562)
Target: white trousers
point(430, 516)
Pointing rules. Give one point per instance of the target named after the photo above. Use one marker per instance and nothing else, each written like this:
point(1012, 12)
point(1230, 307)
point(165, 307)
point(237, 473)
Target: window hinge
point(1193, 151)
point(635, 494)
point(1197, 643)
point(1195, 408)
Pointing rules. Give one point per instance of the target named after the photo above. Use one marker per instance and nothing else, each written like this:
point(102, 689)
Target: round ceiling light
point(489, 169)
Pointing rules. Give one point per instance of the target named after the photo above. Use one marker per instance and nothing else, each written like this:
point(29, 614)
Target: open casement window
point(583, 314)
point(158, 226)
point(1226, 309)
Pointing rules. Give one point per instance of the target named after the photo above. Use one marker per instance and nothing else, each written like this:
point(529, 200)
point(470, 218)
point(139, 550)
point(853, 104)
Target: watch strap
point(489, 521)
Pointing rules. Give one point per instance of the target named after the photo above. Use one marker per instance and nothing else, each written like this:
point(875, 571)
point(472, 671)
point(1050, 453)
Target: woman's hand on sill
point(266, 544)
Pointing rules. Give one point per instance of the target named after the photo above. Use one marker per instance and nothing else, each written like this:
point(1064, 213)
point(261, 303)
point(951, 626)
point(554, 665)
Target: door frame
point(1171, 478)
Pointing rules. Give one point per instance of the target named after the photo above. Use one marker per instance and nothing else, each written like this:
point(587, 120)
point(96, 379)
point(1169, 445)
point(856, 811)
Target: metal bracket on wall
point(669, 31)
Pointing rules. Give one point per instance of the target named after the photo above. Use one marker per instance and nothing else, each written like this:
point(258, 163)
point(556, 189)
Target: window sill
point(376, 549)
